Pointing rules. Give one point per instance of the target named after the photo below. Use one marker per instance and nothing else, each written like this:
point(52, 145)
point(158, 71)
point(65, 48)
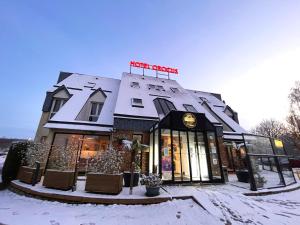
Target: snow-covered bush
point(35, 152)
point(107, 162)
point(152, 180)
point(63, 157)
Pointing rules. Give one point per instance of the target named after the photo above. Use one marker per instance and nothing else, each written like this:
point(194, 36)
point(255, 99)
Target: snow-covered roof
point(126, 93)
point(118, 100)
point(218, 107)
point(81, 87)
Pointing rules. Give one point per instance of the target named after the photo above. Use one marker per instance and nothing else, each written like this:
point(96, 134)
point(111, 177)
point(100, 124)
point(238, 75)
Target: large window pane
point(151, 154)
point(202, 157)
point(176, 156)
point(64, 152)
point(166, 157)
point(184, 157)
point(258, 145)
point(92, 145)
point(286, 170)
point(265, 172)
point(156, 156)
point(214, 160)
point(194, 157)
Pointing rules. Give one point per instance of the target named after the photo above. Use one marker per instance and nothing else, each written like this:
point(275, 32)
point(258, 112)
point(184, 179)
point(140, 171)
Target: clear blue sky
point(246, 50)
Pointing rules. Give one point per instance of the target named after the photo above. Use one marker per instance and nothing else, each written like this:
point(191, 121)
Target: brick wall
point(120, 135)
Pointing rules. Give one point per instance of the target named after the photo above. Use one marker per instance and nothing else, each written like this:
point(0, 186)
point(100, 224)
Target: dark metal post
point(207, 150)
point(36, 173)
point(219, 156)
point(189, 154)
point(172, 153)
point(251, 175)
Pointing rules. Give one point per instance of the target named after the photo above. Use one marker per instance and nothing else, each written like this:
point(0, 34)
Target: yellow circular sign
point(189, 120)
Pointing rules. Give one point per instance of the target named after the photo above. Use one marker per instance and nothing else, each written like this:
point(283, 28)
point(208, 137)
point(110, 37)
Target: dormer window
point(135, 85)
point(156, 87)
point(151, 86)
point(159, 88)
point(203, 99)
point(137, 102)
point(175, 90)
point(190, 108)
point(56, 105)
point(95, 111)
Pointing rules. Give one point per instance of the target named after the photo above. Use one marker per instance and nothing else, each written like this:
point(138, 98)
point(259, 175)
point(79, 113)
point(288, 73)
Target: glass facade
point(268, 164)
point(214, 157)
point(183, 156)
point(166, 158)
point(72, 148)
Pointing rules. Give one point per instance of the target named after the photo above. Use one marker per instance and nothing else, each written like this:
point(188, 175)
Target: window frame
point(134, 84)
point(135, 104)
point(194, 110)
point(98, 111)
point(62, 102)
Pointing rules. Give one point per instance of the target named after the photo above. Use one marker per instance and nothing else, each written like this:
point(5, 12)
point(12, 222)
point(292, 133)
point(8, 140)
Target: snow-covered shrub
point(35, 152)
point(107, 162)
point(152, 180)
point(64, 157)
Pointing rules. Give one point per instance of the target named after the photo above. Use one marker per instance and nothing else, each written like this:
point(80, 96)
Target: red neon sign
point(153, 67)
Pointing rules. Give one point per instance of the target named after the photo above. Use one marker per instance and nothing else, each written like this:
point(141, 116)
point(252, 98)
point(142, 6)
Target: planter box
point(57, 179)
point(152, 191)
point(25, 174)
point(243, 176)
point(104, 183)
point(136, 177)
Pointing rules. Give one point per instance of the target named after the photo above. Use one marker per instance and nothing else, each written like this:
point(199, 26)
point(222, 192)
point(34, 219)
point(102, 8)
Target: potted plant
point(242, 175)
point(61, 167)
point(152, 183)
point(33, 154)
point(134, 148)
point(104, 174)
point(259, 180)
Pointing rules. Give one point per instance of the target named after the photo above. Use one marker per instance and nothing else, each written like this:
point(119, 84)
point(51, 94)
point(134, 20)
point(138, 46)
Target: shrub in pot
point(242, 175)
point(62, 162)
point(152, 183)
point(13, 162)
point(104, 174)
point(35, 152)
point(134, 150)
point(131, 178)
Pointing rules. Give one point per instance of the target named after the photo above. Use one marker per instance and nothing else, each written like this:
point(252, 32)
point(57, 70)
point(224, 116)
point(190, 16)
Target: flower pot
point(57, 179)
point(104, 183)
point(25, 174)
point(152, 191)
point(127, 175)
point(243, 176)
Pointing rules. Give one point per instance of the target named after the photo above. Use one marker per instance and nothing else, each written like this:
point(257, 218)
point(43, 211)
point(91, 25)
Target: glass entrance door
point(189, 156)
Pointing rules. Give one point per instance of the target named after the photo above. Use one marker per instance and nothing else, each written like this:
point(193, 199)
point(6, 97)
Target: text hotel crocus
point(153, 67)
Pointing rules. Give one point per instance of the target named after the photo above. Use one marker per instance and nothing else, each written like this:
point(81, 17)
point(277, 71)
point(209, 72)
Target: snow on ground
point(2, 159)
point(20, 210)
point(224, 205)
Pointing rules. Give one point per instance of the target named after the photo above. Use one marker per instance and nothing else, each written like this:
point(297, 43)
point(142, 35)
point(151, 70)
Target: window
point(137, 102)
point(135, 84)
point(203, 99)
point(163, 106)
point(56, 105)
point(190, 108)
point(156, 87)
point(95, 111)
point(159, 88)
point(151, 86)
point(175, 90)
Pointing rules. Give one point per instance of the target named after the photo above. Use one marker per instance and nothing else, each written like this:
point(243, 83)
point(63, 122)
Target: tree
point(293, 118)
point(271, 128)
